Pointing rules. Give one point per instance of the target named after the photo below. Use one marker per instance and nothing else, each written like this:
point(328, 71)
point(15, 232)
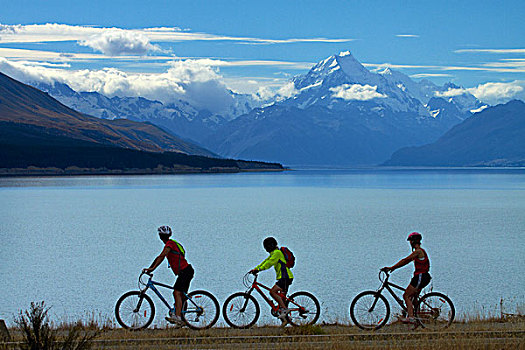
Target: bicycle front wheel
point(370, 310)
point(241, 310)
point(305, 309)
point(135, 310)
point(201, 310)
point(435, 311)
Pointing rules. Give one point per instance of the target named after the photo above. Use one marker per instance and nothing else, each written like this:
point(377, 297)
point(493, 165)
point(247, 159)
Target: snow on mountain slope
point(340, 80)
point(180, 117)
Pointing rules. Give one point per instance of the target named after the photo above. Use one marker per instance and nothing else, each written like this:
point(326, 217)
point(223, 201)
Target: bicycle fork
point(248, 293)
point(141, 298)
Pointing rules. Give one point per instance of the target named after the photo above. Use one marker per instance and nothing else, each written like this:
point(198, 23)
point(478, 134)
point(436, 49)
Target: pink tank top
point(422, 265)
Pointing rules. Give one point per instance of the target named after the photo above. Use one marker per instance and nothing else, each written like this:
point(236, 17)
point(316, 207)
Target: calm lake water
point(78, 243)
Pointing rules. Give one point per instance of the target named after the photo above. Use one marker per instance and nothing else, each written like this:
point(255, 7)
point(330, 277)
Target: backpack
point(289, 257)
point(181, 249)
point(180, 252)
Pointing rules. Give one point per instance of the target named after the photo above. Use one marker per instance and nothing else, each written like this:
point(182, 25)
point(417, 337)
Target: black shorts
point(184, 278)
point(284, 283)
point(421, 281)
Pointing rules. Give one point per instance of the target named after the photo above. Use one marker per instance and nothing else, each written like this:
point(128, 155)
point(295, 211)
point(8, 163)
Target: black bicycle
point(135, 309)
point(370, 310)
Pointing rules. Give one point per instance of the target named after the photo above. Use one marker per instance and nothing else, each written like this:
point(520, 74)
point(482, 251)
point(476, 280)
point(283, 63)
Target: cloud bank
point(356, 92)
point(189, 80)
point(62, 32)
point(491, 93)
point(120, 42)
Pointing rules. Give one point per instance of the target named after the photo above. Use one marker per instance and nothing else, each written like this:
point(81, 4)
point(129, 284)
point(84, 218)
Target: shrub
point(39, 335)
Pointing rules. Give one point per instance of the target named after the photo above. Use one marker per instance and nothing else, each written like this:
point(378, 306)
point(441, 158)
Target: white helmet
point(164, 230)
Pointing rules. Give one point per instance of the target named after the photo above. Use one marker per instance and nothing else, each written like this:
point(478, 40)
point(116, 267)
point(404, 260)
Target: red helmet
point(414, 236)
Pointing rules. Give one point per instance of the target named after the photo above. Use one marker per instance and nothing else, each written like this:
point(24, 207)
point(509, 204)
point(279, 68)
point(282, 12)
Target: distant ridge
point(40, 136)
point(24, 104)
point(342, 114)
point(493, 137)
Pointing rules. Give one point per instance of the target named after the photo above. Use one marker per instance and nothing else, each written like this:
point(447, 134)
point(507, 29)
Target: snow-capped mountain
point(180, 118)
point(424, 90)
point(341, 113)
point(344, 114)
point(341, 80)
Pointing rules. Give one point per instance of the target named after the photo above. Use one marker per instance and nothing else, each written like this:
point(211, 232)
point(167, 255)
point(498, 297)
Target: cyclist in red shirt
point(421, 274)
point(175, 254)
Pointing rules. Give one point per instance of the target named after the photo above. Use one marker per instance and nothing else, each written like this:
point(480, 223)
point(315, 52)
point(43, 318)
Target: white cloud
point(491, 93)
point(356, 92)
point(451, 92)
point(63, 32)
point(407, 36)
point(486, 67)
point(120, 42)
point(190, 80)
point(495, 93)
point(498, 51)
point(430, 75)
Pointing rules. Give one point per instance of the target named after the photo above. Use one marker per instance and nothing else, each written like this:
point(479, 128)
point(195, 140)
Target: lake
point(78, 243)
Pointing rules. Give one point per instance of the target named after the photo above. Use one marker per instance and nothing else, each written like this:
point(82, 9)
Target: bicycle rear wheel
point(202, 311)
point(241, 310)
point(135, 310)
point(305, 309)
point(435, 311)
point(369, 310)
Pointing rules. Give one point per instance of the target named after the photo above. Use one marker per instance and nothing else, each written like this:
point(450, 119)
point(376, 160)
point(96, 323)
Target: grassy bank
point(505, 332)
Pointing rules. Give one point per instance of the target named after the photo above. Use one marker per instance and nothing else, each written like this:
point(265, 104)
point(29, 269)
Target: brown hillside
point(24, 104)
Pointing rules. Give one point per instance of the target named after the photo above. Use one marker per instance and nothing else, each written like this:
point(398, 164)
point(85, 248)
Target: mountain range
point(38, 131)
point(340, 114)
point(343, 114)
point(493, 137)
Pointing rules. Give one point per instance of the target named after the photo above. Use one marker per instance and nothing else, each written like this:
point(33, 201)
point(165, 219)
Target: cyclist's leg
point(417, 283)
point(182, 285)
point(408, 296)
point(281, 286)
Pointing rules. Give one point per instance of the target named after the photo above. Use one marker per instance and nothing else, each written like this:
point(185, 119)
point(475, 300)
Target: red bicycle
point(241, 310)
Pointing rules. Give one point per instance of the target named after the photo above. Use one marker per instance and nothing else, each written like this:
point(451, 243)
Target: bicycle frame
point(151, 285)
point(275, 307)
point(388, 286)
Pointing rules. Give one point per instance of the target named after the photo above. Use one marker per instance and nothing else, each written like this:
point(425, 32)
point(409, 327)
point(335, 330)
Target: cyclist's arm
point(404, 261)
point(268, 262)
point(158, 260)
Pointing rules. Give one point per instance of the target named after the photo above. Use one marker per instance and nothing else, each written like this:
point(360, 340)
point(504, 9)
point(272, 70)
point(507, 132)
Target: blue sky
point(247, 45)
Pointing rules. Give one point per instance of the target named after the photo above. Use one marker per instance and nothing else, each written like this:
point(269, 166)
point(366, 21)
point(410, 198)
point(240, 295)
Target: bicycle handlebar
point(247, 281)
point(386, 272)
point(150, 274)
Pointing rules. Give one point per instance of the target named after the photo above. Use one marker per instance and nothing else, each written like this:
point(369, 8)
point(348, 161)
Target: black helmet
point(164, 230)
point(270, 244)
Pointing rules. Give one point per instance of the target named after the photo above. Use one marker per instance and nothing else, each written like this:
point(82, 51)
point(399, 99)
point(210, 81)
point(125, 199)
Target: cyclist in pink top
point(421, 274)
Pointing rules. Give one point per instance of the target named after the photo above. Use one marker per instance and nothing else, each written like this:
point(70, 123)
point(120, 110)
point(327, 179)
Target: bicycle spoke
point(241, 310)
point(130, 314)
point(435, 311)
point(305, 309)
point(369, 310)
point(202, 311)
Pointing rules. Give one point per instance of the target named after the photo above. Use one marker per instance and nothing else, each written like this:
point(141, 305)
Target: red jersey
point(422, 265)
point(176, 258)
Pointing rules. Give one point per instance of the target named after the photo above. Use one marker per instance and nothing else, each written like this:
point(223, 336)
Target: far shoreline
point(5, 173)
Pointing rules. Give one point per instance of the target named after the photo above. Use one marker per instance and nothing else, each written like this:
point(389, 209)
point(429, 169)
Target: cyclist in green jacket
point(283, 274)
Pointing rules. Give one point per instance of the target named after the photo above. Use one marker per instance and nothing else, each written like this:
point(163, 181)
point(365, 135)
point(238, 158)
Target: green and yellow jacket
point(276, 259)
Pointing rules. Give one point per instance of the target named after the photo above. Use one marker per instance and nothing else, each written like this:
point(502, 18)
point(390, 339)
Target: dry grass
point(481, 330)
